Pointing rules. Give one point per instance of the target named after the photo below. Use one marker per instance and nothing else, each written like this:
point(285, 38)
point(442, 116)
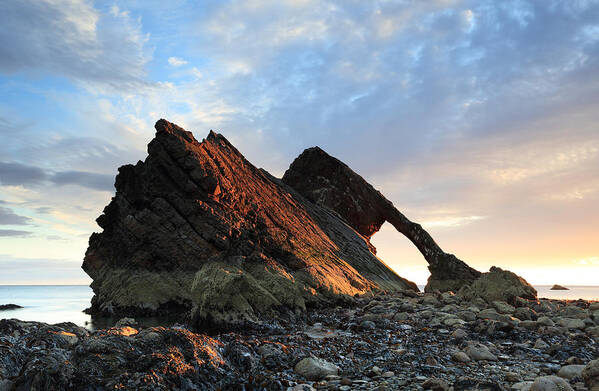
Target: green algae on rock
point(499, 285)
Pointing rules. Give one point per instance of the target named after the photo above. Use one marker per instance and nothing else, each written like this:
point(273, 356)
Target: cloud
point(55, 237)
point(20, 174)
point(11, 127)
point(452, 221)
point(8, 217)
point(43, 209)
point(14, 233)
point(176, 61)
point(588, 261)
point(71, 38)
point(23, 175)
point(85, 179)
point(440, 73)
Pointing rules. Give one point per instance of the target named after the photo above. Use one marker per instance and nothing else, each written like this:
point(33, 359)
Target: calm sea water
point(65, 303)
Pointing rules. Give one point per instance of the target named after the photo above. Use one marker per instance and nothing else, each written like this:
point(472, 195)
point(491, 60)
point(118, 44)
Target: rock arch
point(329, 182)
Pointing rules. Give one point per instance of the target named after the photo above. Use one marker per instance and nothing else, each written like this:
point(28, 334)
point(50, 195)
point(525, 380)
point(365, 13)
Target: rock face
point(327, 181)
point(197, 227)
point(499, 284)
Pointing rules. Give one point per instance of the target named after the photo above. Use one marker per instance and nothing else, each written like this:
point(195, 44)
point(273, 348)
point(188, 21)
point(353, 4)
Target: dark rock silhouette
point(557, 287)
point(197, 227)
point(329, 182)
point(6, 307)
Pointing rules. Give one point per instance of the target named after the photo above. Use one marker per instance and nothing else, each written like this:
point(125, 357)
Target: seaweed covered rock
point(196, 228)
point(499, 285)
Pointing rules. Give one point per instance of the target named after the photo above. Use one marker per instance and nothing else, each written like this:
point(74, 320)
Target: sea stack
point(196, 227)
point(196, 230)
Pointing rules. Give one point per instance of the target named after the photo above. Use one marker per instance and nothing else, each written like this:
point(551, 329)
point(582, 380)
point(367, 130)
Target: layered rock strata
point(197, 227)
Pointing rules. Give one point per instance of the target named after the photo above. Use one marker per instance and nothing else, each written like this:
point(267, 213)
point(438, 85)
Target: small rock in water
point(557, 287)
point(5, 307)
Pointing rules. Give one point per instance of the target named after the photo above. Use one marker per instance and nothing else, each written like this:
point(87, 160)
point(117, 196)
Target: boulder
point(572, 323)
point(435, 384)
point(460, 357)
point(557, 287)
point(545, 321)
point(313, 368)
point(550, 383)
point(499, 285)
point(502, 307)
point(477, 351)
point(590, 375)
point(570, 371)
point(197, 229)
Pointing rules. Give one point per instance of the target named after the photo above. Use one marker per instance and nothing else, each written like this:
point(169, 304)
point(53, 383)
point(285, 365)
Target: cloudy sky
point(479, 119)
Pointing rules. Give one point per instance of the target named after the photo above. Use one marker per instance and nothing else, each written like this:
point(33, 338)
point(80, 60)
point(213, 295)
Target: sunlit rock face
point(326, 181)
point(198, 228)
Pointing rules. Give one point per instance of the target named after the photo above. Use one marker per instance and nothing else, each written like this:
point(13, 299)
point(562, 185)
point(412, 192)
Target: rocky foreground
point(399, 341)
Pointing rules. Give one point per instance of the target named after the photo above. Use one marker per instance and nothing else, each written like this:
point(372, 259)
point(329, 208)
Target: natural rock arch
point(327, 181)
point(399, 253)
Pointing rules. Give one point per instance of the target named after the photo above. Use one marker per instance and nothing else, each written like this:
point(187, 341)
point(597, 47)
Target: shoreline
point(386, 342)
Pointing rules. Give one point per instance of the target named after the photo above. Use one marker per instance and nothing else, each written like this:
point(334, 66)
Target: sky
point(478, 119)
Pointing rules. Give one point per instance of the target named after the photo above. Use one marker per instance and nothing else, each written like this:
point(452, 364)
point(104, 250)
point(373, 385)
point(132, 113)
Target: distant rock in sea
point(197, 230)
point(6, 307)
point(557, 287)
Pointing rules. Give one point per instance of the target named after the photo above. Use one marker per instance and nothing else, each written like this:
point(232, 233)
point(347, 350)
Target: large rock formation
point(326, 181)
point(197, 227)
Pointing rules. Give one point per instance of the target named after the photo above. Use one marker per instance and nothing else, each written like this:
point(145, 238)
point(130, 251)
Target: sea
point(65, 303)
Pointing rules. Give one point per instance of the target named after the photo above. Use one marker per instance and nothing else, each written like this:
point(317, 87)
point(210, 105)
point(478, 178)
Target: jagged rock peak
point(197, 228)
